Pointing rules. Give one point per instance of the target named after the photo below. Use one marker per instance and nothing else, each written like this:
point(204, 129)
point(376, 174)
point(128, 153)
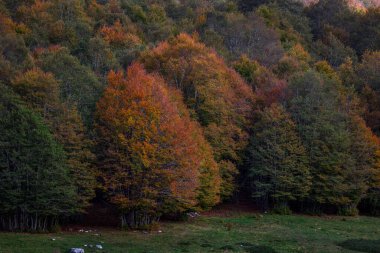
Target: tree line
point(166, 107)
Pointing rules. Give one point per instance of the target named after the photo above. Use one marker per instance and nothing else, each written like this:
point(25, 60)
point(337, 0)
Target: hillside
point(356, 4)
point(140, 110)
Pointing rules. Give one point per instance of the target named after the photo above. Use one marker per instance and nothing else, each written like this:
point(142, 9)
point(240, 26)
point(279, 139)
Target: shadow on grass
point(251, 248)
point(260, 249)
point(368, 246)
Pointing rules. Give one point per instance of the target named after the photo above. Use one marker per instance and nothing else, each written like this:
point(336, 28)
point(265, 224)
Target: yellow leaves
point(7, 26)
point(38, 88)
point(325, 68)
point(201, 19)
point(298, 52)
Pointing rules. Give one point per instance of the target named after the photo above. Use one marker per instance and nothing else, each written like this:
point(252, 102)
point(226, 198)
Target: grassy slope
point(270, 233)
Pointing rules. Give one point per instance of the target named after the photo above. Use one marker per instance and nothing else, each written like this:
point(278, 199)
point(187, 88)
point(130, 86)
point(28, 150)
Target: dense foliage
point(215, 95)
point(35, 186)
point(279, 168)
point(165, 107)
point(152, 156)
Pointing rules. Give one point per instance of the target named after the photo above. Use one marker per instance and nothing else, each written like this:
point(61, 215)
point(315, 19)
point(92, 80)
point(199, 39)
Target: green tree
point(158, 26)
point(14, 55)
point(369, 70)
point(71, 134)
point(78, 85)
point(330, 48)
point(366, 31)
point(322, 127)
point(100, 56)
point(341, 149)
point(363, 173)
point(366, 78)
point(35, 187)
point(278, 164)
point(247, 35)
point(61, 22)
point(41, 91)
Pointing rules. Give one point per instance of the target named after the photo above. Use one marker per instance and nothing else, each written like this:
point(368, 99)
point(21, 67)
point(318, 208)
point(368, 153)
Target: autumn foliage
point(118, 35)
point(215, 95)
point(168, 107)
point(153, 157)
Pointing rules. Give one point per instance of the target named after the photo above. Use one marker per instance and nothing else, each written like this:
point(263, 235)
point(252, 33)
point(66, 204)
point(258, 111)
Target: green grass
point(247, 233)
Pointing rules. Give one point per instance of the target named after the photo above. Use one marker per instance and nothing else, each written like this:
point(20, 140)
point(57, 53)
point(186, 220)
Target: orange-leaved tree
point(118, 35)
point(152, 156)
point(215, 95)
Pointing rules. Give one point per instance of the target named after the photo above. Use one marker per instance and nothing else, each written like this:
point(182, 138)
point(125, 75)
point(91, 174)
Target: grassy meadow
point(239, 233)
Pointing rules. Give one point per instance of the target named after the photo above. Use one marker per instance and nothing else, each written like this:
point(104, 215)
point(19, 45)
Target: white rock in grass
point(98, 246)
point(76, 250)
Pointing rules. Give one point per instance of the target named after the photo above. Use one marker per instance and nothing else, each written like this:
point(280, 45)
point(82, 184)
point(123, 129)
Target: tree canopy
point(165, 107)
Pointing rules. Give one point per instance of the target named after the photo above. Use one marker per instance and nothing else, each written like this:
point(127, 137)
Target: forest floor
point(231, 232)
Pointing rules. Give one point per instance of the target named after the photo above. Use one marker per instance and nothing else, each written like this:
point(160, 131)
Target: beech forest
point(157, 109)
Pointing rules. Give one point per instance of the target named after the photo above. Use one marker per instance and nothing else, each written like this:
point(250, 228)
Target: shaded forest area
point(160, 108)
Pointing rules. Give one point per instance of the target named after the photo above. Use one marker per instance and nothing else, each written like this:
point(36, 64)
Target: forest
point(160, 108)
